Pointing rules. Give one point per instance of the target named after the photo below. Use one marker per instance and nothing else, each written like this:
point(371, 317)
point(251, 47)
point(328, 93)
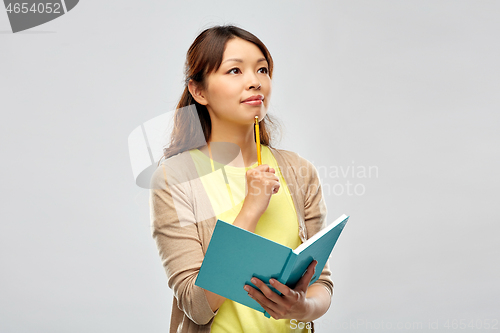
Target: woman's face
point(243, 73)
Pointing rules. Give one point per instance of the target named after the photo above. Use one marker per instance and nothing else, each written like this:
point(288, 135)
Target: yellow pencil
point(257, 139)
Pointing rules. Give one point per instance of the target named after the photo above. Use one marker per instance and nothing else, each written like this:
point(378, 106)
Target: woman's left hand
point(292, 304)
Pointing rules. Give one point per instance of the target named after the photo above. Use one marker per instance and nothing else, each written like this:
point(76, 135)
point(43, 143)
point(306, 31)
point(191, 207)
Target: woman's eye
point(265, 70)
point(233, 69)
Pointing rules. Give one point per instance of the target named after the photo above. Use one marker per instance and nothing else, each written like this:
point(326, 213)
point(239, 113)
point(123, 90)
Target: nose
point(253, 82)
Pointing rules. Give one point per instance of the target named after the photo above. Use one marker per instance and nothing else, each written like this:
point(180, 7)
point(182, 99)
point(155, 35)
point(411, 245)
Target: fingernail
point(254, 281)
point(271, 281)
point(247, 288)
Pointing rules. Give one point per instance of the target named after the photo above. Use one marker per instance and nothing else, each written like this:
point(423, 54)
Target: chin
point(262, 114)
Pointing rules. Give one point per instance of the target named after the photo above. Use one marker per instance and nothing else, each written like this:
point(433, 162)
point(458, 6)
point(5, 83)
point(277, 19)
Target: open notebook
point(235, 255)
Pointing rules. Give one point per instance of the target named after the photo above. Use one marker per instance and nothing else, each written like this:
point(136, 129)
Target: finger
point(268, 310)
point(283, 288)
point(304, 281)
point(263, 167)
point(272, 176)
point(270, 306)
point(266, 291)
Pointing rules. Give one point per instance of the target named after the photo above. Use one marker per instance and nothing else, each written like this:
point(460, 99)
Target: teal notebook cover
point(235, 255)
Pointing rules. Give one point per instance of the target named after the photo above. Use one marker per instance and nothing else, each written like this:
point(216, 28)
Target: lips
point(254, 98)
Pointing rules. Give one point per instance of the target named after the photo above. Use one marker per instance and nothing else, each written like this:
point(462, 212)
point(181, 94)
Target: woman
point(211, 172)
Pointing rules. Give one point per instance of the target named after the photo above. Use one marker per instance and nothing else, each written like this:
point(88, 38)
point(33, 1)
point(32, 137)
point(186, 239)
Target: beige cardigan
point(182, 222)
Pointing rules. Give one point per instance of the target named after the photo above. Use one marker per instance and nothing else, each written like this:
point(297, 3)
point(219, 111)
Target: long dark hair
point(204, 57)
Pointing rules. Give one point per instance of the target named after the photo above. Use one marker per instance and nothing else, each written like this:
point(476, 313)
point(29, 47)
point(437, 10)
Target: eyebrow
point(240, 60)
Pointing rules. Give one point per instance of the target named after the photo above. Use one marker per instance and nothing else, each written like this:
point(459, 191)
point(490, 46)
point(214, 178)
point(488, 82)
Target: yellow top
point(278, 223)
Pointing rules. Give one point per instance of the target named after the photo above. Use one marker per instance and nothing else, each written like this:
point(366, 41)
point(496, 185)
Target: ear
point(197, 93)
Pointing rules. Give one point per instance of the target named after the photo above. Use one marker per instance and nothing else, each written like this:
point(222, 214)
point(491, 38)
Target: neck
point(241, 136)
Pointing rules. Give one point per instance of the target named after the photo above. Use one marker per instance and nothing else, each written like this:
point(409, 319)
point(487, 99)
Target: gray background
point(407, 87)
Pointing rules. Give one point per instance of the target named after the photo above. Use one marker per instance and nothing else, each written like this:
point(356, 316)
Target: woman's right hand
point(262, 183)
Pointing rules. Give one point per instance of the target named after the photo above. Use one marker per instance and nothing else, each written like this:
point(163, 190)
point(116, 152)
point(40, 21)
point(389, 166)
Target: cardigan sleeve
point(315, 214)
point(174, 229)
